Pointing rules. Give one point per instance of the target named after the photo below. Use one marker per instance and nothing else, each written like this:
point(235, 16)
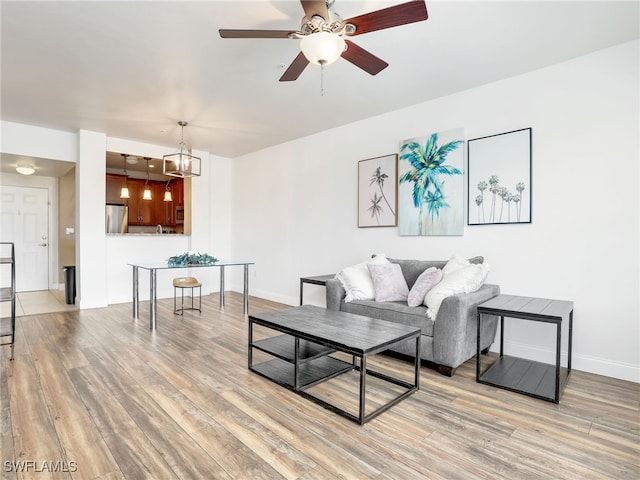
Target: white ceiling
point(134, 69)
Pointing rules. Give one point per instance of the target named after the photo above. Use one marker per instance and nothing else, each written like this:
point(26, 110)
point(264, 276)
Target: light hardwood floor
point(98, 394)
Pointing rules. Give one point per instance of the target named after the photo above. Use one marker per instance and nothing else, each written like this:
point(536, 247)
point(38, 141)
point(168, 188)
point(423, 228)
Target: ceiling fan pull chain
point(322, 79)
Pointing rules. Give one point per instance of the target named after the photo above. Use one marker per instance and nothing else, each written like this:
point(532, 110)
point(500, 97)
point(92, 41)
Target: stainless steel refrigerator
point(117, 219)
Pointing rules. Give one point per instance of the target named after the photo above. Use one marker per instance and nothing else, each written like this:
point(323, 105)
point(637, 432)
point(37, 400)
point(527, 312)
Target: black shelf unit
point(314, 363)
point(8, 294)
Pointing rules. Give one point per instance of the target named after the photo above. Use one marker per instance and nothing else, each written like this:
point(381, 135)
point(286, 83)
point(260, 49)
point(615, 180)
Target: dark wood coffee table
point(309, 335)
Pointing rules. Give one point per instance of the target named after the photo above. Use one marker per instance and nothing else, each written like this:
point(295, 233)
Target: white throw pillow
point(425, 282)
point(389, 282)
point(356, 280)
point(465, 279)
point(456, 262)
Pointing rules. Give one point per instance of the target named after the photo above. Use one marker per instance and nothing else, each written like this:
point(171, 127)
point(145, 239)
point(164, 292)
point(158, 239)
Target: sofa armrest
point(455, 327)
point(335, 293)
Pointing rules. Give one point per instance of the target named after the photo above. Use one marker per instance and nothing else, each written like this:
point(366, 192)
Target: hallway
point(34, 303)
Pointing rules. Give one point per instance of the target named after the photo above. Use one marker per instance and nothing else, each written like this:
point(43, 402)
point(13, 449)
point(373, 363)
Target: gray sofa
point(446, 342)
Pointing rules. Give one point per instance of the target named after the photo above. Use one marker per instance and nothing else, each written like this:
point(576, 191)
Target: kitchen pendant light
point(167, 193)
point(124, 191)
point(146, 195)
point(181, 164)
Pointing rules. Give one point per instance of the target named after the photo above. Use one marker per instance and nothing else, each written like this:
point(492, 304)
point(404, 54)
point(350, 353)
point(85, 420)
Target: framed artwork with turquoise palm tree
point(499, 174)
point(431, 184)
point(377, 192)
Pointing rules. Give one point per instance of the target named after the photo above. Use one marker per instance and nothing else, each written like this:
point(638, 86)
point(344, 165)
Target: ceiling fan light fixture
point(181, 164)
point(322, 48)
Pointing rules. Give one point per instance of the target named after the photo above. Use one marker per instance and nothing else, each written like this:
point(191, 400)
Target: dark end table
point(317, 280)
point(536, 379)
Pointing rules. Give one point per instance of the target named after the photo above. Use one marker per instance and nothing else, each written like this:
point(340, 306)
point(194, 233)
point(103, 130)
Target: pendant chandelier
point(124, 191)
point(181, 164)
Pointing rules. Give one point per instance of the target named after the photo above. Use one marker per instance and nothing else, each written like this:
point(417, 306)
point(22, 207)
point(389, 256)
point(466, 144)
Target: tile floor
point(34, 303)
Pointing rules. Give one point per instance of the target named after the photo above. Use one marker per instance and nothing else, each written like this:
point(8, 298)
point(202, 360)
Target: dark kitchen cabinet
point(177, 190)
point(114, 185)
point(144, 212)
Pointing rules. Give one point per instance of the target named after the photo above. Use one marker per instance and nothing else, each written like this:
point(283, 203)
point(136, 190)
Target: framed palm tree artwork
point(431, 184)
point(500, 178)
point(377, 192)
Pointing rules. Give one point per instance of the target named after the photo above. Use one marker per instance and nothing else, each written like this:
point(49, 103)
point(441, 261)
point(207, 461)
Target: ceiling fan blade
point(315, 7)
point(390, 17)
point(295, 69)
point(363, 59)
point(255, 33)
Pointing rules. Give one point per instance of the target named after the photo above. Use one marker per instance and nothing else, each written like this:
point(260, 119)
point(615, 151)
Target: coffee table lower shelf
point(311, 373)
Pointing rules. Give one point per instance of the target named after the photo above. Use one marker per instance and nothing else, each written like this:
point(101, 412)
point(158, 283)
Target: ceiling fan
point(323, 35)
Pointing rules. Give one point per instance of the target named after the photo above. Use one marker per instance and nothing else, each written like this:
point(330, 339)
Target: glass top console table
point(153, 269)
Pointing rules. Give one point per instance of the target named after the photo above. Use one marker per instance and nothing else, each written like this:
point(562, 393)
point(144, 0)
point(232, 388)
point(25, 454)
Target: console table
point(532, 378)
point(318, 280)
point(154, 267)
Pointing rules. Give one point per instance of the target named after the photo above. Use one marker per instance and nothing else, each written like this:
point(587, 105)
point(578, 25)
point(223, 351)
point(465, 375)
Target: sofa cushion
point(412, 269)
point(398, 312)
point(465, 279)
point(389, 282)
point(357, 281)
point(425, 282)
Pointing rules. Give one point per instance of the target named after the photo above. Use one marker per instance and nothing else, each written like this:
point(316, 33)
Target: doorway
point(24, 220)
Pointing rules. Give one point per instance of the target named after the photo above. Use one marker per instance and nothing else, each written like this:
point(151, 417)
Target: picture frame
point(500, 178)
point(431, 184)
point(378, 191)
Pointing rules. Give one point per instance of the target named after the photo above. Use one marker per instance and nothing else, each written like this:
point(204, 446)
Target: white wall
point(91, 251)
point(220, 200)
point(294, 205)
point(30, 141)
point(122, 250)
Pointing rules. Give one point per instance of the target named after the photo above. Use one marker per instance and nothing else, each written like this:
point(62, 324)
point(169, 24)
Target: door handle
point(42, 244)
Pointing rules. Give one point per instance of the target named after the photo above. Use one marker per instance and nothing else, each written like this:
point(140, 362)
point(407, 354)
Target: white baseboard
point(585, 363)
point(287, 300)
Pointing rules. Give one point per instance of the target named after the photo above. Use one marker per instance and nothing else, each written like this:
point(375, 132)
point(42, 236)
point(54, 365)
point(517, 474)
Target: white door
point(24, 221)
